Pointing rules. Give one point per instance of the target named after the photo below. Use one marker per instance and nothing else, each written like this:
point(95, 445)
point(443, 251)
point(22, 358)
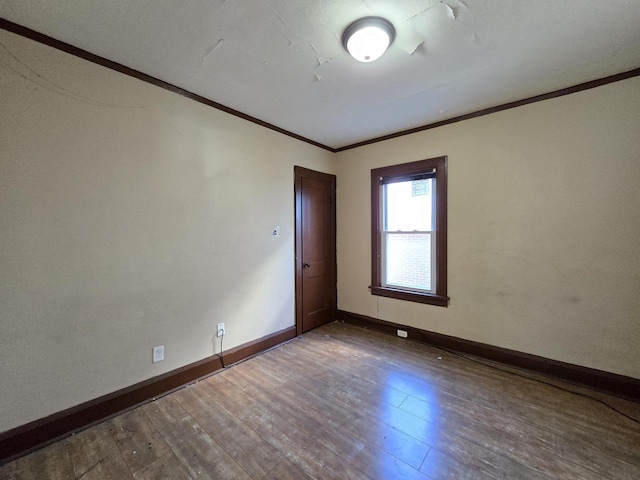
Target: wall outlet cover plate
point(158, 353)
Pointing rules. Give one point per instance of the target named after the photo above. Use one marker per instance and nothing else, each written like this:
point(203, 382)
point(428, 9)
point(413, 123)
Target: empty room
point(320, 239)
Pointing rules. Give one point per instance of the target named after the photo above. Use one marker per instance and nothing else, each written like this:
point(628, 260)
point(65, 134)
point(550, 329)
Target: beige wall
point(544, 228)
point(130, 217)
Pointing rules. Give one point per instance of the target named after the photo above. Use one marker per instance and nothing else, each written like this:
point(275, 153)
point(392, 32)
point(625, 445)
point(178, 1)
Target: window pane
point(409, 205)
point(408, 260)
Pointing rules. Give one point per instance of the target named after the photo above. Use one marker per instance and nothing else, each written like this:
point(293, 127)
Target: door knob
point(307, 265)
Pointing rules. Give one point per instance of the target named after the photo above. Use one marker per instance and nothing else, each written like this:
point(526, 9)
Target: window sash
point(385, 232)
point(384, 219)
point(432, 261)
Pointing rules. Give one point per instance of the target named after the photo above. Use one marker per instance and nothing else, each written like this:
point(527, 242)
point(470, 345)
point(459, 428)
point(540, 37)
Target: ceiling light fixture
point(368, 38)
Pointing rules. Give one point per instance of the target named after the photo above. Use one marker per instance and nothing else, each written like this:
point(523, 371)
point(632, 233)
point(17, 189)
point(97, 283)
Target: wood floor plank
point(144, 449)
point(328, 431)
point(295, 412)
point(52, 463)
point(539, 395)
point(366, 457)
point(439, 369)
point(346, 402)
point(95, 455)
point(358, 402)
point(407, 378)
point(286, 470)
point(198, 452)
point(359, 421)
point(591, 456)
point(301, 448)
point(253, 453)
point(439, 466)
point(581, 463)
point(388, 438)
point(627, 455)
point(419, 380)
point(523, 448)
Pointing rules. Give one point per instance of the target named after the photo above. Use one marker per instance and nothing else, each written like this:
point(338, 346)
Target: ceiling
point(282, 61)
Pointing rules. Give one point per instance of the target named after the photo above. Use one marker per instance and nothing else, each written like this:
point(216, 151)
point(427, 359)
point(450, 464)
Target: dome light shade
point(368, 38)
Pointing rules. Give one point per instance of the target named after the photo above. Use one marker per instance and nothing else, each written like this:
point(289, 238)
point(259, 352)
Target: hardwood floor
point(342, 402)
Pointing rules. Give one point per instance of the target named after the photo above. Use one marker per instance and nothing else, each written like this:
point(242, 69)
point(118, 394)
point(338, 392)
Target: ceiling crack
point(53, 87)
point(421, 12)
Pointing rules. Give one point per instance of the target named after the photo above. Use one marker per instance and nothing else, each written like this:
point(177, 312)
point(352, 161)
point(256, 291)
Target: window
point(409, 231)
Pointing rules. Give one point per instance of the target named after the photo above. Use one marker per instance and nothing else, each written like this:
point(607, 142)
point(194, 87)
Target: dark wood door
point(315, 195)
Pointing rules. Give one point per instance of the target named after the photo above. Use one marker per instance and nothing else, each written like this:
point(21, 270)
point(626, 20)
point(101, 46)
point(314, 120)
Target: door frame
point(299, 173)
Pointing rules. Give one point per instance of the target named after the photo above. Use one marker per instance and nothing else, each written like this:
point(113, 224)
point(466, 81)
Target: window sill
point(428, 298)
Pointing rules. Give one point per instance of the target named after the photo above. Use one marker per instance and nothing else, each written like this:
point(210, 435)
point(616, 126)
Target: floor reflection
point(418, 413)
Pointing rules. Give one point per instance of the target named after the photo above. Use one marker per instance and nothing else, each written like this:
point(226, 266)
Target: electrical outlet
point(402, 333)
point(220, 330)
point(158, 353)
